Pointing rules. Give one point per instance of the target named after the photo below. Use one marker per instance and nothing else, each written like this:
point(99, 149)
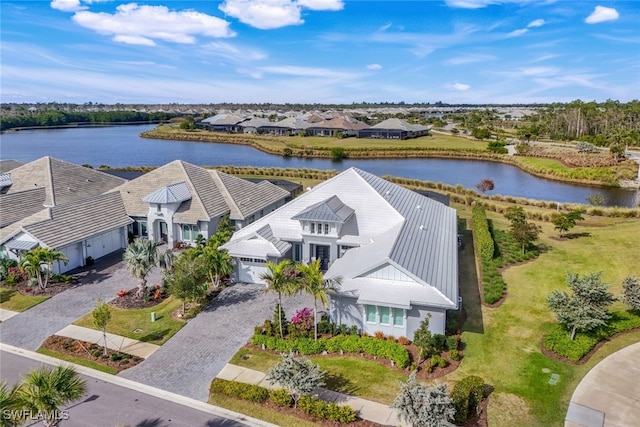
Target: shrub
point(337, 154)
point(250, 392)
point(323, 410)
point(5, 265)
point(379, 335)
point(466, 395)
point(403, 341)
point(281, 397)
point(481, 232)
point(302, 323)
point(454, 355)
point(438, 342)
point(452, 342)
point(286, 152)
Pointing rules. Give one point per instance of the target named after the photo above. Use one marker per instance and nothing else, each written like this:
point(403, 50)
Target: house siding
point(345, 310)
point(416, 314)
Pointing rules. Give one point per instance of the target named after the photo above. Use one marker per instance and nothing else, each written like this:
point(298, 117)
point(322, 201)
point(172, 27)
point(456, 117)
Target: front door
point(322, 253)
point(164, 231)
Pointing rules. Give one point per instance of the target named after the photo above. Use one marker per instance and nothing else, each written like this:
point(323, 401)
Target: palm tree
point(314, 284)
point(141, 256)
point(219, 263)
point(45, 390)
point(280, 278)
point(10, 404)
point(38, 263)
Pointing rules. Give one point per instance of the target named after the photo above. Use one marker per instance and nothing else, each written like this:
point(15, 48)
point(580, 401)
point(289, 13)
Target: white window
point(186, 232)
point(326, 229)
point(384, 315)
point(371, 313)
point(398, 317)
point(313, 228)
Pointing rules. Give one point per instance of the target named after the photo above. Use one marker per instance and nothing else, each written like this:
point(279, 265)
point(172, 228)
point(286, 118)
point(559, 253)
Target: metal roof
point(5, 180)
point(174, 193)
point(266, 233)
point(331, 210)
point(21, 245)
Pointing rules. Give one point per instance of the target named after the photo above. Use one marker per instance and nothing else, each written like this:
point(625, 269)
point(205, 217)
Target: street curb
point(152, 391)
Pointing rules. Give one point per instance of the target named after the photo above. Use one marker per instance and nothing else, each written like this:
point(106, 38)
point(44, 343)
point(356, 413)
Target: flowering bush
point(302, 323)
point(122, 292)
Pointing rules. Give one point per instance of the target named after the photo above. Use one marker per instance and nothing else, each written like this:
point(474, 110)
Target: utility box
point(153, 316)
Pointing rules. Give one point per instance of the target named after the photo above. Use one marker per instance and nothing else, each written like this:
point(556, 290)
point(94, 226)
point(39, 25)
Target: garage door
point(104, 244)
point(74, 255)
point(250, 272)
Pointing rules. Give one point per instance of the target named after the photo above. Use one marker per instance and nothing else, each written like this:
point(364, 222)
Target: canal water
point(121, 146)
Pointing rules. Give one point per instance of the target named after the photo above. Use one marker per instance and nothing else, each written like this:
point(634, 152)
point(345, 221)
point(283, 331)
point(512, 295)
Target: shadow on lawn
point(6, 294)
point(154, 336)
point(469, 286)
point(340, 384)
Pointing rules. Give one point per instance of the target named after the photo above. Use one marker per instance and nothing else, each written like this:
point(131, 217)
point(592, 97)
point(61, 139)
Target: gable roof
point(395, 123)
point(18, 205)
point(7, 165)
point(63, 182)
point(174, 193)
point(346, 123)
point(331, 209)
point(73, 222)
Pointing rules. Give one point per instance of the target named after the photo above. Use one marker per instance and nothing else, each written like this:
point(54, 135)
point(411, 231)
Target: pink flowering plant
point(302, 323)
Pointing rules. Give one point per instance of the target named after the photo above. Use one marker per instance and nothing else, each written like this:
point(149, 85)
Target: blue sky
point(319, 51)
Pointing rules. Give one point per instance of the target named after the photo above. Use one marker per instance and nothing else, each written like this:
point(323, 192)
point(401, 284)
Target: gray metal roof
point(395, 123)
point(76, 221)
point(5, 180)
point(331, 210)
point(21, 245)
point(266, 233)
point(174, 193)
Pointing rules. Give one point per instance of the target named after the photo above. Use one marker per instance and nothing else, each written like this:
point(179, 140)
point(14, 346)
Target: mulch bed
point(35, 291)
point(90, 351)
point(131, 302)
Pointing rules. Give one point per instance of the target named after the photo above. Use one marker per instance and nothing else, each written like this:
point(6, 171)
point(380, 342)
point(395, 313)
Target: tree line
point(59, 118)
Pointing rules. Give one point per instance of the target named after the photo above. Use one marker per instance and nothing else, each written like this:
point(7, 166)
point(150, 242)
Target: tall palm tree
point(141, 256)
point(10, 404)
point(45, 390)
point(38, 263)
point(280, 278)
point(313, 282)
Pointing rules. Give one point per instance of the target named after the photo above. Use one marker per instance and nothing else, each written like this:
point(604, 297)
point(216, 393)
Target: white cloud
point(374, 67)
point(234, 53)
point(477, 4)
point(518, 33)
point(536, 23)
point(270, 14)
point(602, 14)
point(67, 5)
point(457, 86)
point(291, 70)
point(385, 27)
point(469, 59)
point(135, 24)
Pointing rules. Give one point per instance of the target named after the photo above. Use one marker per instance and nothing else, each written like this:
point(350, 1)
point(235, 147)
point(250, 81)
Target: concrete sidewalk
point(114, 342)
point(366, 409)
point(7, 314)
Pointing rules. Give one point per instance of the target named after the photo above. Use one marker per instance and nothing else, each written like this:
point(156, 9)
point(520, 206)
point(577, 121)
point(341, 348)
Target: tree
point(587, 308)
point(422, 406)
point(282, 279)
point(187, 280)
point(38, 263)
point(101, 315)
point(141, 256)
point(480, 133)
point(313, 283)
point(298, 375)
point(422, 339)
point(485, 185)
point(566, 221)
point(10, 415)
point(596, 199)
point(522, 231)
point(219, 264)
point(617, 150)
point(631, 292)
point(45, 390)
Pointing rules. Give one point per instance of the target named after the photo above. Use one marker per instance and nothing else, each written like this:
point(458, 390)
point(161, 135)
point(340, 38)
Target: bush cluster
point(326, 411)
point(244, 391)
point(481, 232)
point(341, 343)
point(466, 395)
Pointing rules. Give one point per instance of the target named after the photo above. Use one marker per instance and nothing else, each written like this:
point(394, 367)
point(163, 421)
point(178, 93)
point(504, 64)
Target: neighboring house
point(394, 129)
point(344, 125)
point(223, 122)
point(285, 127)
point(254, 124)
point(179, 201)
point(293, 188)
point(395, 251)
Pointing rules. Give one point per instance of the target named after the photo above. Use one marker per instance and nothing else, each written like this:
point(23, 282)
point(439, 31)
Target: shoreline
point(260, 143)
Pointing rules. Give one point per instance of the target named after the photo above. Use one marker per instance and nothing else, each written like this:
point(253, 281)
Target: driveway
point(102, 280)
point(188, 362)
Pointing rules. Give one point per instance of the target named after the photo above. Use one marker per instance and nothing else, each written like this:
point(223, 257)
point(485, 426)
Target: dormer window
point(326, 228)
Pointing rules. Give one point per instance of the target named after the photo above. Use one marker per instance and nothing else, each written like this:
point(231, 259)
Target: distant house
point(343, 125)
point(285, 127)
point(223, 122)
point(394, 250)
point(254, 124)
point(394, 129)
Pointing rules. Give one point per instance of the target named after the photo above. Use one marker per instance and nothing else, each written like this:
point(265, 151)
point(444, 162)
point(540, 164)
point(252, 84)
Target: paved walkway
point(103, 280)
point(7, 314)
point(114, 342)
point(609, 395)
point(366, 409)
point(188, 362)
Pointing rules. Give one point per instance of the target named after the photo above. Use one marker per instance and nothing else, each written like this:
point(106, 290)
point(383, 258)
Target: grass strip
point(13, 300)
point(77, 360)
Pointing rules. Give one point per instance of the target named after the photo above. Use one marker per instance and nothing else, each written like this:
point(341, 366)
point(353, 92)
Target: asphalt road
point(110, 405)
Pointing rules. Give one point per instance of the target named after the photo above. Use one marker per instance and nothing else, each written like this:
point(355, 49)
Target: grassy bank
point(13, 300)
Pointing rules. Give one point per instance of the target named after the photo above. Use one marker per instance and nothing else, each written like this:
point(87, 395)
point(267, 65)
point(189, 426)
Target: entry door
point(322, 253)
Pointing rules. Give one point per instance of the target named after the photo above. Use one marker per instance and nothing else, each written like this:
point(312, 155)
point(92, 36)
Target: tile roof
point(395, 123)
point(331, 209)
point(64, 182)
point(7, 165)
point(73, 222)
point(19, 205)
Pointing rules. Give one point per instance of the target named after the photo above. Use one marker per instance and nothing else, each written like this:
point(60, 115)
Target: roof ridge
point(224, 191)
point(182, 164)
point(49, 176)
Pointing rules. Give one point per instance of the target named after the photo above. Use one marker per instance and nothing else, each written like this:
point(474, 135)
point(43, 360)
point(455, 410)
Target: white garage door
point(74, 255)
point(249, 272)
point(104, 244)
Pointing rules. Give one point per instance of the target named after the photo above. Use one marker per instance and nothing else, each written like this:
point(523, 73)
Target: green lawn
point(350, 375)
point(125, 322)
point(256, 410)
point(503, 344)
point(15, 301)
point(78, 361)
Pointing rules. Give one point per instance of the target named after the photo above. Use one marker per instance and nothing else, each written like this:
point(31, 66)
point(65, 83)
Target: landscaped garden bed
point(90, 352)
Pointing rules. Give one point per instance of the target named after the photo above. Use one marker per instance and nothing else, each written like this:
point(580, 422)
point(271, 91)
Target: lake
point(120, 146)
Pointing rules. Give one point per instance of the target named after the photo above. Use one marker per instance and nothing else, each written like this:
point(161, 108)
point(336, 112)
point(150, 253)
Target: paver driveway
point(103, 280)
point(188, 362)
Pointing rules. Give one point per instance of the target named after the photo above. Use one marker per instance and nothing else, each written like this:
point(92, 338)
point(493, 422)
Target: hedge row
point(481, 233)
point(342, 343)
point(244, 391)
point(326, 410)
point(559, 341)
